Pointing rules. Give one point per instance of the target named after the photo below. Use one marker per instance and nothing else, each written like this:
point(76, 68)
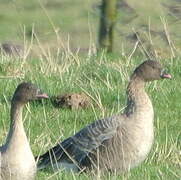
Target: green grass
point(105, 80)
point(103, 77)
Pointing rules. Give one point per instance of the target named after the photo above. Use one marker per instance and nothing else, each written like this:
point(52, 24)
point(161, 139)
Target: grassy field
point(57, 67)
point(105, 80)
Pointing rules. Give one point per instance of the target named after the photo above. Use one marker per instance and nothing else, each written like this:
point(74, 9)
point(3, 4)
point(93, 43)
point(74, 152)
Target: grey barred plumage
point(117, 143)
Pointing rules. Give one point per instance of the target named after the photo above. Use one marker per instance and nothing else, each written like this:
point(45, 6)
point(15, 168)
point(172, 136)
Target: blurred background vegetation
point(155, 24)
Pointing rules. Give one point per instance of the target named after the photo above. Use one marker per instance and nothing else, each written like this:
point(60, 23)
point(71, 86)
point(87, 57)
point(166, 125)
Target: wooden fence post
point(107, 23)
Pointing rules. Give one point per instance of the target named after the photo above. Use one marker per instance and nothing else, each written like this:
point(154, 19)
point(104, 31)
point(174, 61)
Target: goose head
point(27, 92)
point(151, 70)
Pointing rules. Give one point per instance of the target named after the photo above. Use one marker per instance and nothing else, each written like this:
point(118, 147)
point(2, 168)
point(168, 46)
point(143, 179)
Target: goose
point(16, 159)
point(117, 143)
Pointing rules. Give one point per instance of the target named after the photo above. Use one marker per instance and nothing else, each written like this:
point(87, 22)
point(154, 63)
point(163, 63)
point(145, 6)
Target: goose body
point(116, 143)
point(16, 159)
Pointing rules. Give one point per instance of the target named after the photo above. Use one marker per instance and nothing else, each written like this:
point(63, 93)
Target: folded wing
point(75, 149)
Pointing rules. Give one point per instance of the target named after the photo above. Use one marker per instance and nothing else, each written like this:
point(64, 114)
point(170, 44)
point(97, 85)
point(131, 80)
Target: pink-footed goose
point(16, 158)
point(116, 143)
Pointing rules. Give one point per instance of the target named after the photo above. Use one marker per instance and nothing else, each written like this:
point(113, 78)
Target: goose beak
point(40, 94)
point(165, 75)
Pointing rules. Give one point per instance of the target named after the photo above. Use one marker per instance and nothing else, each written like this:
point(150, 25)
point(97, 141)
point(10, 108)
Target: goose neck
point(16, 113)
point(136, 95)
point(16, 124)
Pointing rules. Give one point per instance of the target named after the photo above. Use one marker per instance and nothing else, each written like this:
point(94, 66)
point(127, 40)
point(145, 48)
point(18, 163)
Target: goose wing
point(76, 148)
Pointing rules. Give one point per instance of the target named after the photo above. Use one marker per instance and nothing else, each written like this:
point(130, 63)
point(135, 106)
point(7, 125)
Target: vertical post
point(107, 23)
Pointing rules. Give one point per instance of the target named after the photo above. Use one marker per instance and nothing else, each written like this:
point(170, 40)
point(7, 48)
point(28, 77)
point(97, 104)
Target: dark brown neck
point(135, 94)
point(16, 124)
